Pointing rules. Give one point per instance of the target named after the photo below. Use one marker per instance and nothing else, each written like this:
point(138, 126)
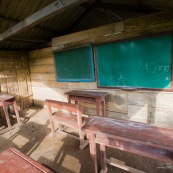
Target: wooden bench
point(69, 115)
point(138, 138)
point(13, 161)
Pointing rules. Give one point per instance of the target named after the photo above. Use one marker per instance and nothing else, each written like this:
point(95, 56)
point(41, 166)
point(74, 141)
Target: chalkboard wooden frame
point(90, 61)
point(136, 88)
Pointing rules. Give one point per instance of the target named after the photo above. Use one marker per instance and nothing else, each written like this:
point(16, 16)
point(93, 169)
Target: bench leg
point(104, 168)
point(103, 108)
point(83, 142)
point(6, 115)
point(93, 152)
point(52, 126)
point(60, 126)
point(16, 111)
point(97, 107)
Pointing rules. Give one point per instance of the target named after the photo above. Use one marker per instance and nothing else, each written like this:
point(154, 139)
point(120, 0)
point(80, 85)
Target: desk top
point(131, 131)
point(91, 94)
point(4, 97)
point(13, 161)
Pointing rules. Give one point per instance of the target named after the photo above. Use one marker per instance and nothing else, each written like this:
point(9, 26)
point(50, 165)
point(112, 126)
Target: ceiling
point(89, 14)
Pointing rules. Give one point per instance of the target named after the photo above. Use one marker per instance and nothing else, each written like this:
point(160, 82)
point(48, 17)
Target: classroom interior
point(33, 39)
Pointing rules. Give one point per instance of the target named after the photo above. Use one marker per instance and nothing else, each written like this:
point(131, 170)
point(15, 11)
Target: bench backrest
point(64, 106)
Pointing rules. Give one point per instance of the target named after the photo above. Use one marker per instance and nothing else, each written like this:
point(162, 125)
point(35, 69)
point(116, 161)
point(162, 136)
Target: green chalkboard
point(75, 65)
point(140, 63)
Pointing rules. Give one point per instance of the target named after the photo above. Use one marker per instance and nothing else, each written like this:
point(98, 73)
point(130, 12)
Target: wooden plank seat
point(134, 137)
point(68, 115)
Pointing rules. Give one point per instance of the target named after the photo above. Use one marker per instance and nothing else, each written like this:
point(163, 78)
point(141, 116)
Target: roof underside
point(87, 15)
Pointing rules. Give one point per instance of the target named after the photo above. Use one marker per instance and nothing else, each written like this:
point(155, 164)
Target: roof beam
point(16, 39)
point(39, 16)
point(140, 3)
point(131, 9)
point(40, 28)
point(88, 9)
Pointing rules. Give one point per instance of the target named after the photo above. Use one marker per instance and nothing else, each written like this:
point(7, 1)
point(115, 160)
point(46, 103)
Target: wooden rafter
point(140, 3)
point(16, 39)
point(131, 9)
point(39, 16)
point(88, 9)
point(39, 28)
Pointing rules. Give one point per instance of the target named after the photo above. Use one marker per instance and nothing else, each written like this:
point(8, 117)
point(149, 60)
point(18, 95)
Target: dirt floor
point(61, 153)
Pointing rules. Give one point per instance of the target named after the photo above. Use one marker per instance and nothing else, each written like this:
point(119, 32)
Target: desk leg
point(97, 107)
point(103, 108)
point(104, 168)
point(16, 111)
point(93, 152)
point(6, 115)
point(69, 101)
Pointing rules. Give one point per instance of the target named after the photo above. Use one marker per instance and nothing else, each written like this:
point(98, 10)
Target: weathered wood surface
point(140, 132)
point(15, 77)
point(130, 28)
point(87, 94)
point(138, 138)
point(12, 160)
point(5, 101)
point(86, 36)
point(143, 106)
point(90, 97)
point(39, 16)
point(71, 118)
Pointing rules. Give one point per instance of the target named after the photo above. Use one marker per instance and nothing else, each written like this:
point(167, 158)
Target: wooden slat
point(42, 69)
point(41, 76)
point(39, 16)
point(42, 61)
point(39, 82)
point(49, 84)
point(120, 165)
point(62, 105)
point(136, 147)
point(15, 77)
point(40, 53)
point(87, 35)
point(148, 135)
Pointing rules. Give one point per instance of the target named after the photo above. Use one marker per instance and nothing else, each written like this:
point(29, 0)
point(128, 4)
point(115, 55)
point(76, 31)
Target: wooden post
point(16, 111)
point(93, 152)
point(6, 115)
point(97, 107)
point(103, 108)
point(104, 168)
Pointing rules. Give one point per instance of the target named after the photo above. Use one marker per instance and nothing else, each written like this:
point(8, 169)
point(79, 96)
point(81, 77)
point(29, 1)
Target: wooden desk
point(138, 138)
point(13, 161)
point(5, 100)
point(90, 97)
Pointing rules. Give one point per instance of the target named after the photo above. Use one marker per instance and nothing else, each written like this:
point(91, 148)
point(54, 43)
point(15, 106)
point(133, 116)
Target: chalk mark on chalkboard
point(165, 68)
point(121, 80)
point(153, 67)
point(146, 66)
point(111, 78)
